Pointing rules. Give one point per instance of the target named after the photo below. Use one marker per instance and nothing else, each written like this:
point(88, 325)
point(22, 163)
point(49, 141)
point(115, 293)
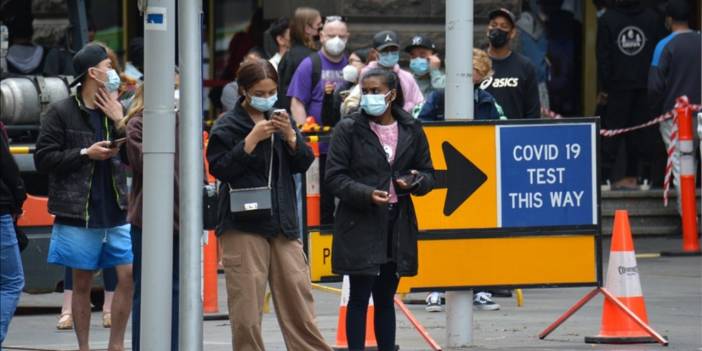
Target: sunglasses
point(330, 19)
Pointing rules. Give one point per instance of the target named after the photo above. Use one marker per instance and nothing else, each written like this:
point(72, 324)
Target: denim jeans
point(136, 302)
point(11, 273)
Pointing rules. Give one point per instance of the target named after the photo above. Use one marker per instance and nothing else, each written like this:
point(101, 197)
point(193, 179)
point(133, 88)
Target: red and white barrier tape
point(667, 179)
point(672, 149)
point(614, 132)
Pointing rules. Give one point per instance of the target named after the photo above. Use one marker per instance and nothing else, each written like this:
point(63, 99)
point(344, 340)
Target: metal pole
point(459, 59)
point(459, 105)
point(159, 153)
point(191, 173)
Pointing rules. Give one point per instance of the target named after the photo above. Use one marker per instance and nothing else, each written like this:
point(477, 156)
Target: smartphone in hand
point(117, 143)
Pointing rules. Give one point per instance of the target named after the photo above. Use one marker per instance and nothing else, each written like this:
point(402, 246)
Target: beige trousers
point(250, 261)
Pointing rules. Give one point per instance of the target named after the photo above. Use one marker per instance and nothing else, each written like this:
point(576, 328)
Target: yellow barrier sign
point(515, 204)
point(319, 252)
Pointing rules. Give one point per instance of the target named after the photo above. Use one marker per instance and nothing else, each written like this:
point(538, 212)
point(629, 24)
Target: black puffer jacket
point(230, 164)
point(64, 131)
point(357, 165)
point(12, 192)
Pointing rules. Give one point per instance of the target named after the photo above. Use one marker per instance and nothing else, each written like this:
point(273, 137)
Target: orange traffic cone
point(622, 282)
point(342, 343)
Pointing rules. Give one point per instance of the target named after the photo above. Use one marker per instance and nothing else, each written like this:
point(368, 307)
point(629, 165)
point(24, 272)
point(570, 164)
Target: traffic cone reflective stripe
point(342, 342)
point(623, 282)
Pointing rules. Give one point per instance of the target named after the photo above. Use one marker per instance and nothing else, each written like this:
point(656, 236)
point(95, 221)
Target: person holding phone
point(378, 157)
point(248, 145)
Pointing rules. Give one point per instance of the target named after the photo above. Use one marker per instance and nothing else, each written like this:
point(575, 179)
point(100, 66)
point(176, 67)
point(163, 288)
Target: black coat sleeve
point(50, 155)
point(302, 157)
point(423, 164)
point(657, 83)
point(338, 169)
point(10, 175)
point(226, 156)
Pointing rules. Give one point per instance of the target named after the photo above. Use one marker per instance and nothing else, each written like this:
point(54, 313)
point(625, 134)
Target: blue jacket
point(485, 106)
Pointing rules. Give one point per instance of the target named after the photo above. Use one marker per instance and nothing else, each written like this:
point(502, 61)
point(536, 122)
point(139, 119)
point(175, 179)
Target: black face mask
point(498, 38)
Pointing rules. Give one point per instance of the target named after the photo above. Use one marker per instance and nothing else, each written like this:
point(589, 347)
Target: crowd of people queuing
point(377, 157)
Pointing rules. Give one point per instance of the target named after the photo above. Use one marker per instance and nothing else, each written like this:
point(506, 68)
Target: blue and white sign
point(547, 175)
point(156, 18)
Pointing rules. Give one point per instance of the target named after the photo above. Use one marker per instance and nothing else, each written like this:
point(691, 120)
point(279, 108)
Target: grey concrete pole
point(191, 173)
point(459, 59)
point(159, 152)
point(459, 105)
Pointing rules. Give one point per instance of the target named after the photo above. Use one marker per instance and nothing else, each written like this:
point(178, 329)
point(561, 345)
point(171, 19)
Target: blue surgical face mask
point(389, 59)
point(263, 104)
point(374, 104)
point(419, 66)
point(112, 83)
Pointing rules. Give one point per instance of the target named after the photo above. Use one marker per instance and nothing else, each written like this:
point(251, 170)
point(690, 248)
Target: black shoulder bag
point(248, 200)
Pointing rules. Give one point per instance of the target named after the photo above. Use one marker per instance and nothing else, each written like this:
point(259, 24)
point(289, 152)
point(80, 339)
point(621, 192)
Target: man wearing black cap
point(425, 64)
point(514, 84)
point(674, 72)
point(87, 189)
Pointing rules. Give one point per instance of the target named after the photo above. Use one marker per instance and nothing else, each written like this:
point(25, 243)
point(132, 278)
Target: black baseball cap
point(89, 56)
point(504, 13)
point(678, 10)
point(420, 41)
point(385, 39)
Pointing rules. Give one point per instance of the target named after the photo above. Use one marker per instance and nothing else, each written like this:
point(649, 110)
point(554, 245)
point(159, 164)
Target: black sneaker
point(483, 302)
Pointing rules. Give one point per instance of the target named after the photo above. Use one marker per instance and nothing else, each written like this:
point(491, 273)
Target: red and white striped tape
point(668, 178)
point(614, 132)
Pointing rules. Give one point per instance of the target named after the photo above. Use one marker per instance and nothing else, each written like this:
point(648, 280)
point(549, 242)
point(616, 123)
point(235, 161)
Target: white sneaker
point(483, 301)
point(434, 302)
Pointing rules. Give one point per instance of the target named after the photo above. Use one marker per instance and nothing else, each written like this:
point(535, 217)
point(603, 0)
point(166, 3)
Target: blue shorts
point(90, 248)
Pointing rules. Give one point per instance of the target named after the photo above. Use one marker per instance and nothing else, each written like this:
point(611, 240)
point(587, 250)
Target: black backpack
point(287, 67)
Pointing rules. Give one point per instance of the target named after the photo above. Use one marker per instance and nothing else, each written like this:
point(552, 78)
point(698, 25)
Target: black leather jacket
point(65, 130)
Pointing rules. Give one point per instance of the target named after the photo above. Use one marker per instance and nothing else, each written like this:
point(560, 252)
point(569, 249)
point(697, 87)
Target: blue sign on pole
point(547, 175)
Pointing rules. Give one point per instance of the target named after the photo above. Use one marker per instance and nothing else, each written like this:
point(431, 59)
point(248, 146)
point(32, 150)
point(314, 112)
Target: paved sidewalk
point(672, 287)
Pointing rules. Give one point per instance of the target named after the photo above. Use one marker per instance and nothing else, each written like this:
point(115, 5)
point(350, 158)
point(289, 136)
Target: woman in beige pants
point(252, 147)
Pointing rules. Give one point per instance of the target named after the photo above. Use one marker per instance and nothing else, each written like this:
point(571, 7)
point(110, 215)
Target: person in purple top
point(306, 90)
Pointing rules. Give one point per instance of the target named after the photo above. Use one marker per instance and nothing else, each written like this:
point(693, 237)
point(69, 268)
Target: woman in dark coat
point(378, 157)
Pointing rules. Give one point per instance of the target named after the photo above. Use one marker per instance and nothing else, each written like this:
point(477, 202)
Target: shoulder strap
point(316, 68)
point(270, 165)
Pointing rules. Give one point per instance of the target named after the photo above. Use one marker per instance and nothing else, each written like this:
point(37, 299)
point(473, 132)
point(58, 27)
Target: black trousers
point(383, 288)
point(627, 108)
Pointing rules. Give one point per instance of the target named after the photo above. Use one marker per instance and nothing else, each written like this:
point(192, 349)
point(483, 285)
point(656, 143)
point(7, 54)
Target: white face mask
point(350, 74)
point(335, 46)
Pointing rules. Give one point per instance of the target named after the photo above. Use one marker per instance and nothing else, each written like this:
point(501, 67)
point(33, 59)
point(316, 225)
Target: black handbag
point(251, 200)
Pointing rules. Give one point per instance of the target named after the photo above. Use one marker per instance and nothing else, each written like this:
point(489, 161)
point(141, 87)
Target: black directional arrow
point(462, 178)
